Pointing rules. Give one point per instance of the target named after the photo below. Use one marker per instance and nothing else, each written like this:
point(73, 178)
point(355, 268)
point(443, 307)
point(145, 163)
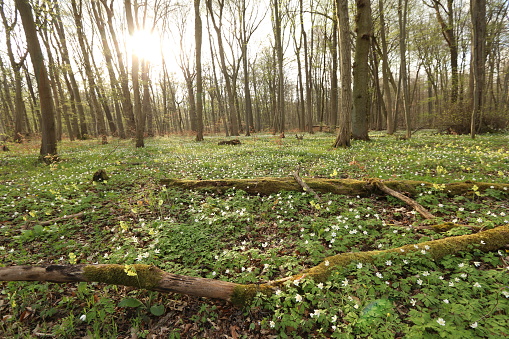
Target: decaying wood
point(446, 226)
point(65, 217)
point(146, 277)
point(153, 278)
point(229, 142)
point(416, 206)
point(305, 186)
point(271, 185)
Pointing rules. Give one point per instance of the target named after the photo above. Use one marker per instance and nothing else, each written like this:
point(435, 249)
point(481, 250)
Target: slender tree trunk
point(334, 102)
point(478, 15)
point(391, 123)
point(345, 116)
point(247, 92)
point(49, 141)
point(96, 9)
point(280, 73)
point(307, 69)
point(234, 125)
point(199, 80)
point(138, 110)
point(127, 105)
point(361, 71)
point(450, 37)
point(82, 132)
point(94, 104)
point(402, 18)
point(6, 97)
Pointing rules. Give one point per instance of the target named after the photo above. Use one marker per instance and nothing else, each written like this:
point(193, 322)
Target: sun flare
point(146, 45)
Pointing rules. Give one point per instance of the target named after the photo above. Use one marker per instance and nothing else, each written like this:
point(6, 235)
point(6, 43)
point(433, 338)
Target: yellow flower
point(72, 258)
point(130, 270)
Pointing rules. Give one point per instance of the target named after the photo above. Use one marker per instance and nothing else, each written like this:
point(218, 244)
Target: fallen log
point(270, 185)
point(65, 217)
point(153, 278)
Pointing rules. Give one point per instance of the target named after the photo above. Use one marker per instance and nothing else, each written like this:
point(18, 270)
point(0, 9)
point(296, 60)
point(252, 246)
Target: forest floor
point(249, 238)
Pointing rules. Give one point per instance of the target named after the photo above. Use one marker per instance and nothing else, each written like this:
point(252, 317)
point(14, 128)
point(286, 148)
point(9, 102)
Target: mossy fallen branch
point(446, 226)
point(270, 185)
point(305, 186)
point(153, 278)
point(414, 204)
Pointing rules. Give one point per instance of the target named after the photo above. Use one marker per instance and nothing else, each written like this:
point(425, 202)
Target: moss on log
point(270, 185)
point(486, 241)
point(153, 278)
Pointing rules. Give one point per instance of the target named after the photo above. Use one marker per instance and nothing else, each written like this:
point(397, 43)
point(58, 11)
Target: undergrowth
point(131, 218)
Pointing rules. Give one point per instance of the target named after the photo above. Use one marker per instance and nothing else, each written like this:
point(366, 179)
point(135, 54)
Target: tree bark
point(49, 140)
point(198, 31)
point(402, 20)
point(277, 19)
point(345, 117)
point(361, 71)
point(478, 14)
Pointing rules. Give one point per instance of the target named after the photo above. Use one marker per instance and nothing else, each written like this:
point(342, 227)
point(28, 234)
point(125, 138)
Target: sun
point(146, 45)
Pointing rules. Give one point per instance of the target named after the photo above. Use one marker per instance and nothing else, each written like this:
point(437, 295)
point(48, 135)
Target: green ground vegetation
point(253, 238)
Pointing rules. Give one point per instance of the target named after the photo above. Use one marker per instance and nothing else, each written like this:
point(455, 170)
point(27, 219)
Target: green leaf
point(157, 310)
point(130, 302)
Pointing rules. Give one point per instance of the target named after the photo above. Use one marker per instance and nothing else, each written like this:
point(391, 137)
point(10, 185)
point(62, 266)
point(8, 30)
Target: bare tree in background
point(48, 149)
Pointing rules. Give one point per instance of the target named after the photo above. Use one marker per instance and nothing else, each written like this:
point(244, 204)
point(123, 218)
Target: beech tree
point(345, 113)
point(199, 79)
point(48, 150)
point(363, 25)
point(478, 14)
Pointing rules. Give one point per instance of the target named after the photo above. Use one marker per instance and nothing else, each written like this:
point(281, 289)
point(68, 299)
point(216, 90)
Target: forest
point(254, 169)
point(145, 68)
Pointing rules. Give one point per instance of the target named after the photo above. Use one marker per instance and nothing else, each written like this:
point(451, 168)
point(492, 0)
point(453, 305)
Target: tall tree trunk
point(234, 128)
point(72, 84)
point(386, 72)
point(478, 14)
point(94, 103)
point(307, 70)
point(361, 71)
point(345, 116)
point(402, 18)
point(334, 102)
point(279, 57)
point(199, 80)
point(127, 105)
point(244, 39)
point(96, 9)
point(49, 141)
point(450, 37)
point(138, 110)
